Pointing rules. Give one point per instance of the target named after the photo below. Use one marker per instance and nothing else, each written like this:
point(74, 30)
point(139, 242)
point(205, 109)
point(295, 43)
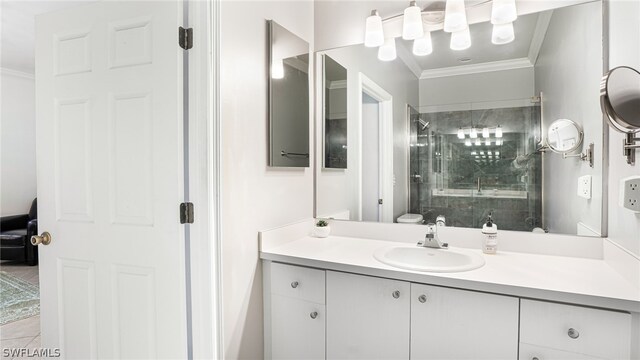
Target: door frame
point(205, 302)
point(385, 123)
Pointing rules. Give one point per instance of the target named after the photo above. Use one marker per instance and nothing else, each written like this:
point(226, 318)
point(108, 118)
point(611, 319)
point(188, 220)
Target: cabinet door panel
point(459, 324)
point(364, 319)
point(295, 333)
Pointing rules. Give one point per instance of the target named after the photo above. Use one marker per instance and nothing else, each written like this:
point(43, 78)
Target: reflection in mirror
point(564, 136)
point(288, 98)
point(470, 126)
point(335, 114)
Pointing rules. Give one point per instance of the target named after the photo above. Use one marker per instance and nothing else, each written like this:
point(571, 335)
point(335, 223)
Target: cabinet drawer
point(597, 333)
point(534, 352)
point(298, 282)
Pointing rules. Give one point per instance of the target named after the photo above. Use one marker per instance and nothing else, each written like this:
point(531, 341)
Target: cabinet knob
point(314, 315)
point(294, 284)
point(535, 358)
point(573, 333)
point(422, 298)
point(395, 294)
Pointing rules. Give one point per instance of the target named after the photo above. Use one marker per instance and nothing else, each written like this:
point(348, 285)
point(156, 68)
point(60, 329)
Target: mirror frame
point(604, 221)
point(576, 147)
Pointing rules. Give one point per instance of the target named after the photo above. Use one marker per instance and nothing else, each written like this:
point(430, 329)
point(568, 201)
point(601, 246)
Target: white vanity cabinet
point(367, 317)
point(551, 331)
point(294, 312)
point(459, 324)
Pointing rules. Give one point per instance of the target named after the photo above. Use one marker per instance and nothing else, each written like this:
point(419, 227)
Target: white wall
point(338, 189)
point(568, 74)
point(624, 49)
point(514, 84)
point(370, 158)
point(17, 146)
point(254, 196)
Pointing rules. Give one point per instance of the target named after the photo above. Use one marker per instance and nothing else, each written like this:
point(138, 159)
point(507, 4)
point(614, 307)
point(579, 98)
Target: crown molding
point(510, 64)
point(17, 73)
point(538, 35)
point(337, 84)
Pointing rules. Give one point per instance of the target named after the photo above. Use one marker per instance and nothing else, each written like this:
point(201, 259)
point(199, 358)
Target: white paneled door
point(110, 180)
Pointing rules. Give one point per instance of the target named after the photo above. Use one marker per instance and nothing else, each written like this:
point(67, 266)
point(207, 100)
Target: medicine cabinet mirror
point(463, 133)
point(335, 114)
point(288, 98)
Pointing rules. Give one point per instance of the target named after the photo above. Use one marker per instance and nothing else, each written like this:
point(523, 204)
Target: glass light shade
point(373, 33)
point(499, 142)
point(478, 143)
point(485, 132)
point(460, 133)
point(503, 11)
point(474, 133)
point(460, 40)
point(502, 34)
point(497, 153)
point(387, 51)
point(467, 142)
point(498, 132)
point(277, 69)
point(488, 142)
point(455, 16)
point(412, 22)
point(423, 46)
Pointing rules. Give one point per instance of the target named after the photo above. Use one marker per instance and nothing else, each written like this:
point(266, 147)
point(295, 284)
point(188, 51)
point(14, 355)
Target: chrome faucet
point(431, 238)
point(441, 221)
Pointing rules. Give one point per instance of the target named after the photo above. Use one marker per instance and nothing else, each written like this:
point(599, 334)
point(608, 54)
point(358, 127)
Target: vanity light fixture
point(460, 133)
point(455, 16)
point(474, 133)
point(502, 34)
point(460, 40)
point(499, 131)
point(423, 46)
point(503, 11)
point(387, 51)
point(485, 132)
point(412, 22)
point(373, 35)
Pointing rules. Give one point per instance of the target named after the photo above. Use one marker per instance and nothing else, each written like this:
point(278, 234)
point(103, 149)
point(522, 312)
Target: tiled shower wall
point(510, 174)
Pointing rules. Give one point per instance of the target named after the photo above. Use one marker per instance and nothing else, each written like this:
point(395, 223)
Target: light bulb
point(387, 51)
point(498, 132)
point(460, 133)
point(485, 132)
point(277, 69)
point(423, 46)
point(503, 11)
point(412, 22)
point(488, 142)
point(474, 133)
point(467, 142)
point(373, 35)
point(502, 34)
point(478, 143)
point(460, 40)
point(455, 16)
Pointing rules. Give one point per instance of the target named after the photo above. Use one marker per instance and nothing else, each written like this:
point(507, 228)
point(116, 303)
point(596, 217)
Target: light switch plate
point(630, 193)
point(584, 186)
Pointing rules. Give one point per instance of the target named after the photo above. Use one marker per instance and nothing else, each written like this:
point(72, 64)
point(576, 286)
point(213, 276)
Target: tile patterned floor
point(23, 333)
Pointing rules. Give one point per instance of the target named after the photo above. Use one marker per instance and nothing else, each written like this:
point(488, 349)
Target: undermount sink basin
point(418, 258)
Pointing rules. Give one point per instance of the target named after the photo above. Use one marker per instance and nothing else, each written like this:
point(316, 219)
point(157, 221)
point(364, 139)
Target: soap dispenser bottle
point(490, 231)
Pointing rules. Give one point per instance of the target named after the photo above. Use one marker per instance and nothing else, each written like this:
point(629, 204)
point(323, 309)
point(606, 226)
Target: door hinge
point(379, 201)
point(185, 38)
point(186, 213)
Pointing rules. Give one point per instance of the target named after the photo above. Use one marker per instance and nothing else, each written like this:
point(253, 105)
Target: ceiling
point(18, 30)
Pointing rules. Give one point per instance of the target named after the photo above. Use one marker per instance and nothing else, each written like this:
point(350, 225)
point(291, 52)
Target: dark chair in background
point(15, 236)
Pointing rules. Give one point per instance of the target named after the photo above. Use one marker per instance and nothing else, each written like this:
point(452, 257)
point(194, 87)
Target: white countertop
point(584, 281)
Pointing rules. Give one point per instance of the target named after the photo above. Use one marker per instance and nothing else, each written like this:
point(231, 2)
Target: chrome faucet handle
point(441, 221)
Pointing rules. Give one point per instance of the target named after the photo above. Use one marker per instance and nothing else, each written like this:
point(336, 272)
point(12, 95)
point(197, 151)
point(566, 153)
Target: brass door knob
point(44, 239)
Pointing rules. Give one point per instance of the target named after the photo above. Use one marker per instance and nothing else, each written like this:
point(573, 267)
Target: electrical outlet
point(630, 193)
point(584, 186)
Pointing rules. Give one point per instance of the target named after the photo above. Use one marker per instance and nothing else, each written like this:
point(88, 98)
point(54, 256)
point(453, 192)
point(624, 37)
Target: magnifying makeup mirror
point(620, 103)
point(565, 136)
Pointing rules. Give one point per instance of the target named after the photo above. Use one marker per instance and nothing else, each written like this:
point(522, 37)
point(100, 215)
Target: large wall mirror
point(509, 126)
point(288, 98)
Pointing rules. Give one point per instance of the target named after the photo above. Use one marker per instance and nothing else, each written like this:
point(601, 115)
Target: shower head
point(425, 124)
